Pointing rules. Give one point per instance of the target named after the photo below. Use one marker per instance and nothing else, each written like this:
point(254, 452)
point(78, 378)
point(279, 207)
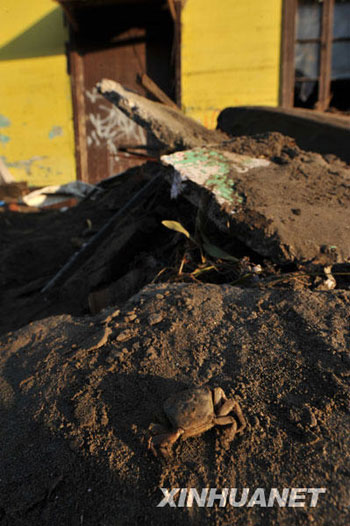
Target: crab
point(192, 412)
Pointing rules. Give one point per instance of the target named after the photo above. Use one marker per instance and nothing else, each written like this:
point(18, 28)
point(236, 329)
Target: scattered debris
point(155, 90)
point(14, 191)
point(114, 244)
point(329, 283)
point(313, 130)
point(288, 212)
point(171, 129)
point(280, 207)
point(225, 264)
point(59, 196)
point(89, 247)
point(5, 175)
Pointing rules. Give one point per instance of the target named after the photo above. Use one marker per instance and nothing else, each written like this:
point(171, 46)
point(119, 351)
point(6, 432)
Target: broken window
point(316, 54)
point(307, 52)
point(340, 78)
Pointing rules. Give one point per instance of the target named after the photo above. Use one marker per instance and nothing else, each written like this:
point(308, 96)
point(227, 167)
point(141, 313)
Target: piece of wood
point(91, 246)
point(324, 95)
point(287, 75)
point(170, 128)
point(172, 9)
point(152, 87)
point(177, 52)
point(77, 83)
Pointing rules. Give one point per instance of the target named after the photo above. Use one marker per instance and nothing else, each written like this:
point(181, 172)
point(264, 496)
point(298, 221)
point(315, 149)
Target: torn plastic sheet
point(50, 195)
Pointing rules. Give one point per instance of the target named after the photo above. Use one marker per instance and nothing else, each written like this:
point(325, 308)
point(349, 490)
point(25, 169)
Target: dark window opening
point(321, 54)
point(305, 94)
point(340, 92)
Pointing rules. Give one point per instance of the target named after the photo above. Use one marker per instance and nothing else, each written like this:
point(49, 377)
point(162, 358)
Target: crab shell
point(192, 411)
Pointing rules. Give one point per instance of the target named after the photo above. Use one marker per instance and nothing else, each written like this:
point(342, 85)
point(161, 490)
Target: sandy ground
point(79, 391)
point(78, 395)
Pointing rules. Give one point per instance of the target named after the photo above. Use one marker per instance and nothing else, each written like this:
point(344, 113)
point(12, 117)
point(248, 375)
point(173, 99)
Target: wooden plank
point(177, 52)
point(152, 87)
point(308, 40)
point(287, 75)
point(341, 39)
point(89, 248)
point(77, 84)
point(325, 56)
point(69, 14)
point(172, 9)
point(307, 79)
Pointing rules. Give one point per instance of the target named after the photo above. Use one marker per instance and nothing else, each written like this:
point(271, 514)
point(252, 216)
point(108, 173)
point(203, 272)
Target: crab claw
point(160, 444)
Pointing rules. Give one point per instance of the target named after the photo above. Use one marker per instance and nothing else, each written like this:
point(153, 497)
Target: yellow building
point(230, 55)
point(54, 126)
point(36, 120)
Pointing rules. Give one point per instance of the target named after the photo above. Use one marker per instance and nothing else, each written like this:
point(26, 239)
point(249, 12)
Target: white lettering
point(258, 498)
point(275, 495)
point(295, 499)
point(182, 498)
point(194, 495)
point(168, 498)
point(315, 493)
point(220, 495)
point(244, 497)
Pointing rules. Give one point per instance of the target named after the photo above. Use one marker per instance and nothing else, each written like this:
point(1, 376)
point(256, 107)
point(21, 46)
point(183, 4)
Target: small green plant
point(205, 247)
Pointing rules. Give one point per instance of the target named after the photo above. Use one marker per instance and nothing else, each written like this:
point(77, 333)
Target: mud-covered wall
point(230, 55)
point(36, 127)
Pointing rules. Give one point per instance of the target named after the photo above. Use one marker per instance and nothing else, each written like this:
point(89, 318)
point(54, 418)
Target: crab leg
point(218, 397)
point(231, 405)
point(162, 442)
point(224, 406)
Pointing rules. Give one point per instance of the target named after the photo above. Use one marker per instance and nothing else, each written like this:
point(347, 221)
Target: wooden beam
point(77, 84)
point(287, 74)
point(172, 9)
point(177, 52)
point(324, 94)
point(153, 88)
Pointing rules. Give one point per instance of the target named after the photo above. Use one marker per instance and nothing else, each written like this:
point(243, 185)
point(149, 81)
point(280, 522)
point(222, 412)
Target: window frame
point(287, 73)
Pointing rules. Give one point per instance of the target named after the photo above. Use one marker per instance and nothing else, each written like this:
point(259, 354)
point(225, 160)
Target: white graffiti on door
point(108, 126)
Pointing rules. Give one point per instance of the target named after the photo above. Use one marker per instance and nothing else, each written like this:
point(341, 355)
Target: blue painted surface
point(4, 138)
point(56, 131)
point(4, 121)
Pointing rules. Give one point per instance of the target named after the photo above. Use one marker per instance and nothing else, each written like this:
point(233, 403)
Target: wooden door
point(128, 44)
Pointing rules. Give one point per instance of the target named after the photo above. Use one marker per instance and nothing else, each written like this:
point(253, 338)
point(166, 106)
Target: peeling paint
point(4, 138)
point(212, 169)
point(26, 164)
point(56, 131)
point(4, 121)
point(38, 118)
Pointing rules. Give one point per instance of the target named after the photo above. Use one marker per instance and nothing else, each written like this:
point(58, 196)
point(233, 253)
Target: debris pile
point(257, 211)
point(226, 262)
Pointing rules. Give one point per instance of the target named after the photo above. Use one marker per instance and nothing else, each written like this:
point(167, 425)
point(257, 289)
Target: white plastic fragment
point(51, 195)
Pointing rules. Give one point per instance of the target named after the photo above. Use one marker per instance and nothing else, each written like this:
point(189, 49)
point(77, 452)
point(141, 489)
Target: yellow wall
point(36, 127)
point(230, 55)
